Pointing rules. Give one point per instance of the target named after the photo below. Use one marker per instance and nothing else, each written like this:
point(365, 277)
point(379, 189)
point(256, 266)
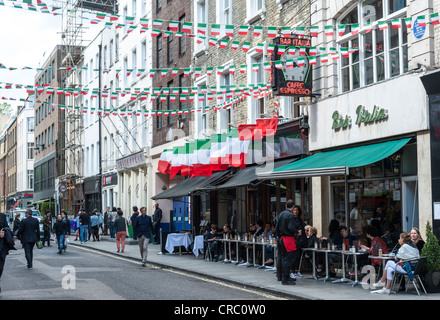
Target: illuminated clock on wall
point(297, 73)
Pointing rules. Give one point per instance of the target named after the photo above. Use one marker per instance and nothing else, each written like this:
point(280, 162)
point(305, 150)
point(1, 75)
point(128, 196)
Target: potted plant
point(431, 250)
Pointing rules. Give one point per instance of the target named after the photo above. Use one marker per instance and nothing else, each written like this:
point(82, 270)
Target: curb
point(240, 284)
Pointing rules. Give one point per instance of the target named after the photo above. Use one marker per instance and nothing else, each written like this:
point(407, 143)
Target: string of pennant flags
point(154, 92)
point(186, 28)
point(152, 113)
point(300, 60)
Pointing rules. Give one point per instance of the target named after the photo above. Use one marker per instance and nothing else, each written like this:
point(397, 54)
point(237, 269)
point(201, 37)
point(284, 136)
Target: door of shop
point(181, 215)
point(410, 204)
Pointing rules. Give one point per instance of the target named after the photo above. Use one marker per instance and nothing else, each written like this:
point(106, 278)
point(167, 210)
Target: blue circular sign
point(418, 30)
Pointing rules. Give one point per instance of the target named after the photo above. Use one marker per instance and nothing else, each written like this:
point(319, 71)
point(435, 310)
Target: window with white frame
point(224, 115)
point(201, 16)
point(256, 106)
point(134, 64)
point(382, 54)
point(144, 54)
point(110, 51)
point(201, 116)
point(255, 9)
point(30, 179)
point(125, 71)
point(224, 12)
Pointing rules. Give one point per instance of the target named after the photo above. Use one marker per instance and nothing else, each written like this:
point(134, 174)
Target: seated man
point(211, 238)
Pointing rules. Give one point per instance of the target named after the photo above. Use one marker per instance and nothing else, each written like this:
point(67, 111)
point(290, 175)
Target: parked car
point(35, 214)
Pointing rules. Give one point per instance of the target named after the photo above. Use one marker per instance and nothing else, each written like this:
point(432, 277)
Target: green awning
point(336, 162)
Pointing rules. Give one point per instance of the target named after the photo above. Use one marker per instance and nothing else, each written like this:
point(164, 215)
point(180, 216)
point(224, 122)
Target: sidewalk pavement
point(252, 277)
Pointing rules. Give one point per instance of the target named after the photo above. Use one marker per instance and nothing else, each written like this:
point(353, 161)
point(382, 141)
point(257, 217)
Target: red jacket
point(382, 245)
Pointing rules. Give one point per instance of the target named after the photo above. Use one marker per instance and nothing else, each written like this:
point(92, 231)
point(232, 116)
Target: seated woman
point(407, 251)
point(416, 238)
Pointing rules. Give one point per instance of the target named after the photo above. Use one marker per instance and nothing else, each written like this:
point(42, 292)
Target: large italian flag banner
point(221, 151)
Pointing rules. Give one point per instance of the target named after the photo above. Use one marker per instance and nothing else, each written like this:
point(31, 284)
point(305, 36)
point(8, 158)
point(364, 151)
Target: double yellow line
point(265, 295)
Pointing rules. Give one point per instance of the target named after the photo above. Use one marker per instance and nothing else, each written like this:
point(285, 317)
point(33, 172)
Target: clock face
point(296, 73)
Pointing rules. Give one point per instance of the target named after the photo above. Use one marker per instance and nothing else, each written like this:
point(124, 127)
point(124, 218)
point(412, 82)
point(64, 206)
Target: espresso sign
point(291, 71)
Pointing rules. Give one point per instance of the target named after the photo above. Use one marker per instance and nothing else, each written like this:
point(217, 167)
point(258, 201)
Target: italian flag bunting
point(237, 149)
point(187, 27)
point(382, 25)
point(235, 45)
point(243, 30)
point(314, 31)
point(257, 31)
point(215, 30)
point(396, 23)
point(328, 31)
point(201, 28)
point(219, 148)
point(173, 25)
point(229, 30)
point(435, 18)
point(272, 32)
point(422, 21)
point(201, 158)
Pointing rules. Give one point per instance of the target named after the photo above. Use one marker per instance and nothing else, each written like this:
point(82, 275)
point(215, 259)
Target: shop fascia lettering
point(362, 116)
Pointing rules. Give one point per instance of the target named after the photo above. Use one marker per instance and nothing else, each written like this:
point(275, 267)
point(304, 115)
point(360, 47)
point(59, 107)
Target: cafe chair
point(207, 252)
point(398, 277)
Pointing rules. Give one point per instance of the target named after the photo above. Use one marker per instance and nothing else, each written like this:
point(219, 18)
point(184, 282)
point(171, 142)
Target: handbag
point(39, 244)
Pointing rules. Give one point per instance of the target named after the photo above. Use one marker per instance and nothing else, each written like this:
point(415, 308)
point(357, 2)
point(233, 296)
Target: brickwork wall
point(291, 12)
point(172, 10)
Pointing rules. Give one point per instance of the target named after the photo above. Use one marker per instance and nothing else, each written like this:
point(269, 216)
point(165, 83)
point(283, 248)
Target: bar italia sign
point(363, 116)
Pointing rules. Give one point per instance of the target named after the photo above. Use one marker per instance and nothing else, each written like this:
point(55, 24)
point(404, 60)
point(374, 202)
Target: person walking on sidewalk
point(68, 228)
point(286, 232)
point(47, 227)
point(112, 218)
point(29, 233)
point(59, 230)
point(132, 219)
point(94, 221)
point(143, 227)
point(121, 231)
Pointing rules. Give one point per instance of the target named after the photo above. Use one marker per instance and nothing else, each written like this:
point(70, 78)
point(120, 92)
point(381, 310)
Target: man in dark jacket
point(47, 227)
point(59, 229)
point(143, 227)
point(286, 231)
point(29, 233)
point(3, 246)
point(133, 218)
point(157, 217)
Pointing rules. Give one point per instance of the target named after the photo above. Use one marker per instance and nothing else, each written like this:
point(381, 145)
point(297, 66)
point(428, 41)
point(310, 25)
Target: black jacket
point(286, 225)
point(59, 227)
point(29, 230)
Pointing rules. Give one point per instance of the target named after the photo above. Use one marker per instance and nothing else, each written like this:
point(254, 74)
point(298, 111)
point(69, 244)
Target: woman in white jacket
point(407, 251)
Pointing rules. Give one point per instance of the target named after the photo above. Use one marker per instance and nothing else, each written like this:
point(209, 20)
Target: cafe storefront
point(369, 147)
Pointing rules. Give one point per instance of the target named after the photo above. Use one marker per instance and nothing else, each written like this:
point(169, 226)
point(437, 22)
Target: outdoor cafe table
point(355, 255)
point(178, 239)
point(384, 257)
point(198, 245)
point(247, 263)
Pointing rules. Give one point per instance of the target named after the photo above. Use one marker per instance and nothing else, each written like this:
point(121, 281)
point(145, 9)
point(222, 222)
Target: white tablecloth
point(198, 245)
point(178, 239)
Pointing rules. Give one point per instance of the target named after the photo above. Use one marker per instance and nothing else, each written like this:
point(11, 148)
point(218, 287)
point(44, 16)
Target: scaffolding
point(71, 183)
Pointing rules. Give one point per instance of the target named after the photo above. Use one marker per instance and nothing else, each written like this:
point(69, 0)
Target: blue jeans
point(112, 230)
point(60, 240)
point(83, 233)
